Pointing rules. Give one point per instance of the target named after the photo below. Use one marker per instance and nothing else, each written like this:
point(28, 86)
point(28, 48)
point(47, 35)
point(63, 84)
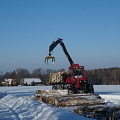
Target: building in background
point(9, 82)
point(31, 81)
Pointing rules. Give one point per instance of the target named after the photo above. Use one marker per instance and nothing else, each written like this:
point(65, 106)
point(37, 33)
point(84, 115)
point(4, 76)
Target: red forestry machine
point(75, 80)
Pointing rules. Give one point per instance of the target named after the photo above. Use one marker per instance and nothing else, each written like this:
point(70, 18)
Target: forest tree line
point(103, 76)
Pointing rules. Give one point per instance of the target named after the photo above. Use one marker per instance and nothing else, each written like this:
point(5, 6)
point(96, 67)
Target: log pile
point(101, 112)
point(60, 98)
point(89, 105)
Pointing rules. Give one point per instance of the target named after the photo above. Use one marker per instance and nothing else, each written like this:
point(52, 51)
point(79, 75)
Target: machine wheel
point(54, 87)
point(90, 88)
point(59, 86)
point(71, 91)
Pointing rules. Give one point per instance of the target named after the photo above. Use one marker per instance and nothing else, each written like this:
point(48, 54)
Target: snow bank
point(111, 99)
point(26, 108)
point(2, 95)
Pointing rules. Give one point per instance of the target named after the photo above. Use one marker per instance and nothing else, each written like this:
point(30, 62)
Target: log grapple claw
point(49, 57)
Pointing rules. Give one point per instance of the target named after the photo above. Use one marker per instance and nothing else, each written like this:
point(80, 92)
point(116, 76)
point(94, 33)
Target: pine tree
point(26, 84)
point(33, 83)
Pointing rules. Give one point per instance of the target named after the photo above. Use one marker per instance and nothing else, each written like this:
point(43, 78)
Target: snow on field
point(17, 103)
point(22, 108)
point(111, 93)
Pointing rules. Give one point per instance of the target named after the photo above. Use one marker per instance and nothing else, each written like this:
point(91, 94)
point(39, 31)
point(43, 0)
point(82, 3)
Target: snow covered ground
point(17, 103)
point(111, 93)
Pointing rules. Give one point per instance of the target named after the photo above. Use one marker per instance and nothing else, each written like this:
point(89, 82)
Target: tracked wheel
point(90, 88)
point(54, 87)
point(70, 91)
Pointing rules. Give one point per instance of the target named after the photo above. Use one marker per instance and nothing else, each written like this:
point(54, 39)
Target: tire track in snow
point(7, 113)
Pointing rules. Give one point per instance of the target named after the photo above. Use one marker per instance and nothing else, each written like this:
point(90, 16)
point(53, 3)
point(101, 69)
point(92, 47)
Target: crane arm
point(53, 45)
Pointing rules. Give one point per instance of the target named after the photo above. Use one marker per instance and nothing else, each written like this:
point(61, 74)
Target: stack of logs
point(89, 105)
point(55, 98)
point(101, 112)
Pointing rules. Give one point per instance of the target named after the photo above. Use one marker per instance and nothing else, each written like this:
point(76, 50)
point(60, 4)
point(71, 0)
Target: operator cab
point(76, 71)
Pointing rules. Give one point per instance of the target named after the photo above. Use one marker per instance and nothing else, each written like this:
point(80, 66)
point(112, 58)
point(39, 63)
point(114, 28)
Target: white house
point(29, 81)
point(9, 82)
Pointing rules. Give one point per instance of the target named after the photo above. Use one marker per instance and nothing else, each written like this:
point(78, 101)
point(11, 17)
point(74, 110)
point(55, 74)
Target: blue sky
point(90, 30)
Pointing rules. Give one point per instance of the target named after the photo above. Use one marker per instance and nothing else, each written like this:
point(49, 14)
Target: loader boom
point(55, 43)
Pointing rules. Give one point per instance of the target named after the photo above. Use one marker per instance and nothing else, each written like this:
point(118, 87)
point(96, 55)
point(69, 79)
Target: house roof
point(8, 80)
point(30, 80)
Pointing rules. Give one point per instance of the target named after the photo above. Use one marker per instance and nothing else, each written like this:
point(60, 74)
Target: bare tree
point(22, 73)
